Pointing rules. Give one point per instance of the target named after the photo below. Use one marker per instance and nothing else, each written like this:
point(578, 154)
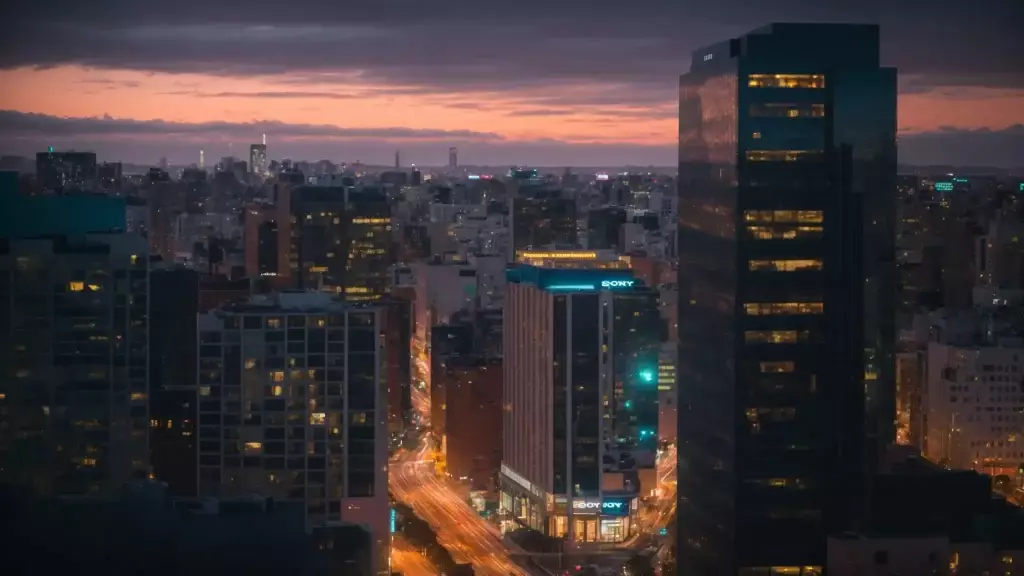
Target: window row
point(783, 308)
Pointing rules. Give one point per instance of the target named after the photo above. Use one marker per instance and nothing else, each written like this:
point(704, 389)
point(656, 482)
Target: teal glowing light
point(646, 433)
point(1021, 187)
point(629, 404)
point(944, 186)
point(571, 287)
point(647, 376)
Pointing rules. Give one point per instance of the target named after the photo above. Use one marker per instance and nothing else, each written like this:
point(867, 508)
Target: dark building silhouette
point(172, 372)
point(604, 226)
point(542, 219)
point(59, 170)
point(787, 167)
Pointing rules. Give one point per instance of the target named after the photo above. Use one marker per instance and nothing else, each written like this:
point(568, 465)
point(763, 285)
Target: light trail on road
point(411, 477)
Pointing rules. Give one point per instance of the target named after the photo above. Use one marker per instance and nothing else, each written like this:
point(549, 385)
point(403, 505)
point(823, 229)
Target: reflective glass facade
point(786, 191)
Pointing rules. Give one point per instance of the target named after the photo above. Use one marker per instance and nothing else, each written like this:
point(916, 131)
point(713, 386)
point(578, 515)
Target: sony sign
point(609, 507)
point(617, 283)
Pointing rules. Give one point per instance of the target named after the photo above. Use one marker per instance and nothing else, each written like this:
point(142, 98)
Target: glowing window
point(786, 81)
point(250, 363)
point(317, 418)
point(138, 396)
point(253, 447)
point(276, 390)
point(273, 322)
point(781, 155)
point(783, 308)
point(76, 286)
point(785, 265)
point(778, 367)
point(773, 336)
point(784, 232)
point(277, 376)
point(785, 216)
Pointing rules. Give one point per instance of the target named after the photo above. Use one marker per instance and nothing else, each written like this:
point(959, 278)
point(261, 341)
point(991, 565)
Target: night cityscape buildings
point(786, 167)
point(786, 355)
point(292, 406)
point(580, 401)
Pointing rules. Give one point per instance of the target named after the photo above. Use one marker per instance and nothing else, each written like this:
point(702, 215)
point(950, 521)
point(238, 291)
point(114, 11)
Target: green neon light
point(571, 287)
point(944, 186)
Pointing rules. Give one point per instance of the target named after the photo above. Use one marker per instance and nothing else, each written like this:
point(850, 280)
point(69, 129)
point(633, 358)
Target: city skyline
point(595, 87)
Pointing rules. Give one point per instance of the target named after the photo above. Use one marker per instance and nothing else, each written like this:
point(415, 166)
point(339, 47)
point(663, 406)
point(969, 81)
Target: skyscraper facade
point(258, 159)
point(342, 240)
point(74, 339)
point(542, 219)
point(787, 174)
point(292, 406)
point(580, 396)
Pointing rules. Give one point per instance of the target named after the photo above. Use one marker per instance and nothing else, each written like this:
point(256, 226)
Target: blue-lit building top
point(573, 280)
point(23, 216)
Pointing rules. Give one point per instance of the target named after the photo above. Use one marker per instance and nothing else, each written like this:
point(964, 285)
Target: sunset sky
point(561, 82)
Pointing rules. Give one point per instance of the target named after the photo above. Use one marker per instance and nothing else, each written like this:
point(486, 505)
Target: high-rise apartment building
point(453, 157)
point(174, 296)
point(74, 348)
point(342, 240)
point(580, 399)
point(542, 219)
point(292, 405)
point(787, 183)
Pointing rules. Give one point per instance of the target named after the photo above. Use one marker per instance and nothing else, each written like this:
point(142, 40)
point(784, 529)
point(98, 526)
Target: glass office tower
point(787, 168)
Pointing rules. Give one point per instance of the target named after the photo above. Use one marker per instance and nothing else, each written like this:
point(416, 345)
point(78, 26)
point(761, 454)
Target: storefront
point(594, 520)
point(521, 503)
point(612, 519)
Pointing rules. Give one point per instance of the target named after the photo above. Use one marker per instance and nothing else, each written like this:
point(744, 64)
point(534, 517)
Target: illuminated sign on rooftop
point(943, 186)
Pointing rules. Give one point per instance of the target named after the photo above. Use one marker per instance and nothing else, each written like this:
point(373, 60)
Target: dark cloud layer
point(626, 56)
point(18, 124)
point(467, 42)
point(29, 133)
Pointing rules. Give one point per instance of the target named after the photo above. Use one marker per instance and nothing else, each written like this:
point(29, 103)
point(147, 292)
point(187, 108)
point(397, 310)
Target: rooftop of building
point(293, 302)
point(574, 279)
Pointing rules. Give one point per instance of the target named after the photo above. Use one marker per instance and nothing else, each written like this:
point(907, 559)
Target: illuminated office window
point(784, 232)
point(783, 308)
point(779, 367)
point(782, 155)
point(774, 336)
point(786, 81)
point(277, 376)
point(76, 286)
point(786, 110)
point(785, 265)
point(785, 216)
